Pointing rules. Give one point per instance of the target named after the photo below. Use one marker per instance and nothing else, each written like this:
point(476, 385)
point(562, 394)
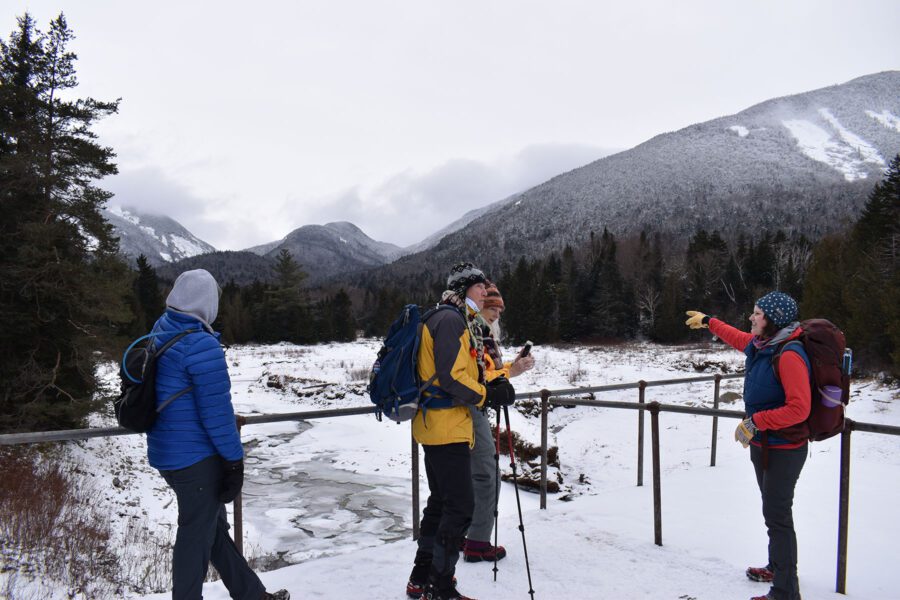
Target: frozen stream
point(296, 510)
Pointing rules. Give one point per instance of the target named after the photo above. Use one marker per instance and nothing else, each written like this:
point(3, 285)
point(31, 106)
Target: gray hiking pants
point(203, 535)
point(484, 477)
point(776, 482)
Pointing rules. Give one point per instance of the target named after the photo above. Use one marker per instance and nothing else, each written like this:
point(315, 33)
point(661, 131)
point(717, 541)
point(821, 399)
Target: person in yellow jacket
point(452, 349)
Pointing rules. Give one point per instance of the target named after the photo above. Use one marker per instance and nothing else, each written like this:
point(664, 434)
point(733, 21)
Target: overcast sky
point(244, 121)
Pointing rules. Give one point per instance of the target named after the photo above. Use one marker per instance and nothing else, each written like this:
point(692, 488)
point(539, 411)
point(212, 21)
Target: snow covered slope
point(802, 163)
point(161, 239)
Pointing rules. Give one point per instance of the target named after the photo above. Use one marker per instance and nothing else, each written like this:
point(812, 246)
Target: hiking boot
point(432, 592)
point(763, 574)
point(415, 589)
point(478, 551)
point(279, 595)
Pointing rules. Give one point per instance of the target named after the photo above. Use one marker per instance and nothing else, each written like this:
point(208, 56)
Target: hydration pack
point(136, 408)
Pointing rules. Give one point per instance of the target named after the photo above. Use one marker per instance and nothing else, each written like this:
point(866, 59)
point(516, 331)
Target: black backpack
point(135, 407)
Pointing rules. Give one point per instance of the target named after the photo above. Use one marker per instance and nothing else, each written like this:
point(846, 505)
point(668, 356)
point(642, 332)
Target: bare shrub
point(50, 527)
point(145, 561)
point(528, 459)
point(358, 374)
point(577, 373)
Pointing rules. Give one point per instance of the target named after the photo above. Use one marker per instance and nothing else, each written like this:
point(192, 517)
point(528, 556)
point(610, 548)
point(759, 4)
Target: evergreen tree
point(235, 315)
point(878, 227)
point(519, 290)
point(854, 280)
point(63, 291)
point(569, 320)
point(150, 303)
point(285, 314)
point(825, 281)
point(612, 314)
point(344, 323)
point(871, 294)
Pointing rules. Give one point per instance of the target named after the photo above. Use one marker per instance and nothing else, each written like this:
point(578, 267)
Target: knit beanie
point(779, 308)
point(463, 276)
point(494, 299)
point(195, 293)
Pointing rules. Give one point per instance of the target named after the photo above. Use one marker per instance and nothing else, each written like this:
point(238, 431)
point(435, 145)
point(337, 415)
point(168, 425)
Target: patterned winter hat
point(779, 308)
point(463, 276)
point(494, 299)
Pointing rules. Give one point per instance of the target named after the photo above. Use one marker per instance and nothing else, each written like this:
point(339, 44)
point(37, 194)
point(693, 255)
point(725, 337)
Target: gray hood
point(195, 293)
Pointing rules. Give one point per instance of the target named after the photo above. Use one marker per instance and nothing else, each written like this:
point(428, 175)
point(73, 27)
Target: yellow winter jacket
point(491, 371)
point(446, 349)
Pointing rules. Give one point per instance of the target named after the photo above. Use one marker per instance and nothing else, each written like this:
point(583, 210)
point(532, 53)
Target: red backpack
point(829, 359)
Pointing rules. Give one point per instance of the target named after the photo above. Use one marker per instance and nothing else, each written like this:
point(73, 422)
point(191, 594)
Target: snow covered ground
point(330, 498)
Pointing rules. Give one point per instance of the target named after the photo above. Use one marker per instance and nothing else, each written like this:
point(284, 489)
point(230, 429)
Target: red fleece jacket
point(794, 379)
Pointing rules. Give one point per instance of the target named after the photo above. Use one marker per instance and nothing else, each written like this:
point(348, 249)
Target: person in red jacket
point(773, 404)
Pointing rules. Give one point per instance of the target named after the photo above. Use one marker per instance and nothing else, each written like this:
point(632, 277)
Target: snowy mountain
point(161, 239)
point(324, 250)
point(802, 163)
point(432, 240)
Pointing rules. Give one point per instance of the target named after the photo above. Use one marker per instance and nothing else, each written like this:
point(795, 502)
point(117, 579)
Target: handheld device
point(527, 349)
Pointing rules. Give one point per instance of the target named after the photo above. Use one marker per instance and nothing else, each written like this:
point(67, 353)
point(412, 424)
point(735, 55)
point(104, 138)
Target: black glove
point(500, 392)
point(232, 480)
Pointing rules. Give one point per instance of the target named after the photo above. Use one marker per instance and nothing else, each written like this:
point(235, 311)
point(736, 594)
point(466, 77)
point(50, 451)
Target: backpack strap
point(173, 341)
point(158, 353)
point(165, 347)
point(776, 358)
point(435, 391)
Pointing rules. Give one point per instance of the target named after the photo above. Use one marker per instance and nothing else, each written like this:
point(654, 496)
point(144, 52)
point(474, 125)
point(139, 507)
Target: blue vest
point(762, 390)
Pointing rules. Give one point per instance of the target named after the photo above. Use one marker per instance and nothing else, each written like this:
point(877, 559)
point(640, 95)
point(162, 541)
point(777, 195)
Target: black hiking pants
point(203, 535)
point(448, 512)
point(776, 484)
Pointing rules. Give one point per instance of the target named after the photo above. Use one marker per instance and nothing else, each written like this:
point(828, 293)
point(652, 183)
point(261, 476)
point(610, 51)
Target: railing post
point(239, 504)
point(545, 405)
point(657, 488)
point(843, 509)
point(642, 385)
point(715, 423)
point(415, 486)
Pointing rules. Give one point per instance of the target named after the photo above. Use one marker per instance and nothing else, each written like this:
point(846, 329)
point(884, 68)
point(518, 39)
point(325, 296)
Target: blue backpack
point(394, 385)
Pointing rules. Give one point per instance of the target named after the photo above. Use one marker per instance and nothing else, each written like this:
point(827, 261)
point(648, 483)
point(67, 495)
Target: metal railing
point(547, 397)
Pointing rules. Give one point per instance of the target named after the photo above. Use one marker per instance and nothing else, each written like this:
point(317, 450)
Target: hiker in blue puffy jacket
point(195, 443)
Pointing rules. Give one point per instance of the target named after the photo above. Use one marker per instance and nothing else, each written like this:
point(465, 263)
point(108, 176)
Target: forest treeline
point(68, 300)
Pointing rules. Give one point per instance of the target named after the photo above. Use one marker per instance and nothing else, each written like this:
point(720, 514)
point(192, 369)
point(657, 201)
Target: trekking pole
point(512, 464)
point(496, 494)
